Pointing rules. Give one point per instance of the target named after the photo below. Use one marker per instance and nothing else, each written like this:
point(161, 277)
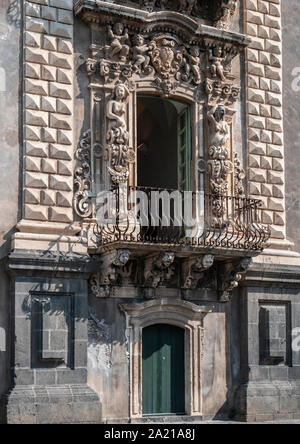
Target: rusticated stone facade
point(78, 292)
point(48, 135)
point(264, 111)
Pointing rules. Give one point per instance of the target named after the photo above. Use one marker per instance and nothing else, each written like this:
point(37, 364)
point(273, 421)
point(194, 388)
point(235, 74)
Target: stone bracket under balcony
point(130, 273)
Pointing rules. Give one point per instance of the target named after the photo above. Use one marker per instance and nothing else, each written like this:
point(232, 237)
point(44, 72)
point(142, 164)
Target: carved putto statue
point(194, 65)
point(217, 59)
point(140, 56)
point(119, 37)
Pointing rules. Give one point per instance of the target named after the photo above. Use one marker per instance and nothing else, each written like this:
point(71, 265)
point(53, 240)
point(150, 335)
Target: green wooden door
point(184, 150)
point(163, 370)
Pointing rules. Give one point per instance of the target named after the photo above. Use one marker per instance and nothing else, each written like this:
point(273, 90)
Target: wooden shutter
point(184, 150)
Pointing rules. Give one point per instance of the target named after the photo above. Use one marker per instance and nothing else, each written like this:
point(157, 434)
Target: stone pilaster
point(262, 22)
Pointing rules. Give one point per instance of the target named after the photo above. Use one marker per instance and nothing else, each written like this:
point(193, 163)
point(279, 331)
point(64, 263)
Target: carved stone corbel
point(158, 269)
point(110, 272)
point(193, 269)
point(229, 276)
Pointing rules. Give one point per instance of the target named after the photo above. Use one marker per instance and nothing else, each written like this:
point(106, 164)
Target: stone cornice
point(278, 275)
point(162, 21)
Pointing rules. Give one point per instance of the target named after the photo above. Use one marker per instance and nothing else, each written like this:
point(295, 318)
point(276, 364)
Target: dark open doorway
point(164, 143)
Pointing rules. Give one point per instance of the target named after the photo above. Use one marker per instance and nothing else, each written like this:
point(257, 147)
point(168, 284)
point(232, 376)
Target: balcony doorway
point(164, 143)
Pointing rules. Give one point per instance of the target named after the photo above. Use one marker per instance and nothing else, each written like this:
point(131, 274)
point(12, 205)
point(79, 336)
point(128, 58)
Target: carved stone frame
point(183, 314)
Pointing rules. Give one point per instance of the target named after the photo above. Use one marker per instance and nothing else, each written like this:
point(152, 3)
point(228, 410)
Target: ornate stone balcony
point(182, 220)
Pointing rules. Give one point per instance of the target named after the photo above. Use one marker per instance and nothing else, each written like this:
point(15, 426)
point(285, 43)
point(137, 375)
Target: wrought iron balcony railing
point(180, 218)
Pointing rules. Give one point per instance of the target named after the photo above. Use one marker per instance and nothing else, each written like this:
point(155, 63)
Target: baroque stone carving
point(193, 270)
point(239, 176)
point(162, 56)
point(221, 94)
point(140, 56)
point(219, 166)
point(225, 11)
point(229, 276)
point(119, 37)
point(117, 135)
point(82, 201)
point(111, 269)
point(183, 6)
point(219, 82)
point(158, 268)
point(82, 182)
point(166, 59)
point(99, 343)
point(219, 12)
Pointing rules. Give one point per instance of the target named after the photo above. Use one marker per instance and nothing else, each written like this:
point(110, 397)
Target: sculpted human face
point(168, 259)
point(208, 260)
point(119, 29)
point(139, 40)
point(220, 113)
point(120, 92)
point(219, 52)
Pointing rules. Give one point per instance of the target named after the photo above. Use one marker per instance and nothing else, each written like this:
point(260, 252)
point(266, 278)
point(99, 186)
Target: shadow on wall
point(2, 340)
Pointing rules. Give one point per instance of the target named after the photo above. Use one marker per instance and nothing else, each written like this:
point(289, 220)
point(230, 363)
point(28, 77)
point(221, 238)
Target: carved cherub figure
point(119, 37)
point(194, 58)
point(139, 53)
point(217, 59)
